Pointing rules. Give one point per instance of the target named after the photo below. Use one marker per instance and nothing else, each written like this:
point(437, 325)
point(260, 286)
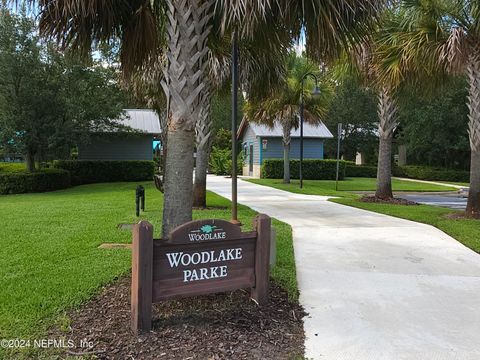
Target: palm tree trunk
point(287, 130)
point(473, 72)
point(30, 160)
point(387, 114)
point(200, 185)
point(203, 140)
point(184, 82)
point(286, 163)
point(473, 204)
point(163, 115)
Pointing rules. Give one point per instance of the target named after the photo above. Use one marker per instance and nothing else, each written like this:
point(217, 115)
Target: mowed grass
point(50, 260)
point(327, 187)
point(467, 231)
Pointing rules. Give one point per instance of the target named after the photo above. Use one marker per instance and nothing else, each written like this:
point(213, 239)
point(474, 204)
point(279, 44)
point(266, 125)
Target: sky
point(300, 45)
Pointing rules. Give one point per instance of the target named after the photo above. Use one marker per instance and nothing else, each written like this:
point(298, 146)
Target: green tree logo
point(207, 229)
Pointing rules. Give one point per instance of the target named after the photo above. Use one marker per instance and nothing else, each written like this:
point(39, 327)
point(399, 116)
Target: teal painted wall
point(117, 147)
point(312, 149)
point(249, 138)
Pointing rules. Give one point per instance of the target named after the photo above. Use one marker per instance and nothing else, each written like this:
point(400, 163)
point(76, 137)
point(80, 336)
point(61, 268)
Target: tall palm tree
point(261, 68)
point(450, 30)
point(282, 105)
point(379, 63)
point(362, 61)
point(140, 26)
point(81, 23)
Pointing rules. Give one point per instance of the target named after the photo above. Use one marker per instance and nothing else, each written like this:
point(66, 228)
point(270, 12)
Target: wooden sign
point(199, 257)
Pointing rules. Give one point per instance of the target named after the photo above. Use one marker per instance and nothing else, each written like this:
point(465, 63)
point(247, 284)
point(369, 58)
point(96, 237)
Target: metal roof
point(143, 120)
point(309, 130)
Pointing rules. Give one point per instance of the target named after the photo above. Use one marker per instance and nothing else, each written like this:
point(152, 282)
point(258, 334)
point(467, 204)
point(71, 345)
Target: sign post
point(199, 257)
point(139, 199)
point(339, 134)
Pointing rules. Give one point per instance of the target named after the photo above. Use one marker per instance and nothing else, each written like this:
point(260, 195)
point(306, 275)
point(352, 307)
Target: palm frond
point(331, 26)
point(282, 105)
point(81, 24)
point(455, 50)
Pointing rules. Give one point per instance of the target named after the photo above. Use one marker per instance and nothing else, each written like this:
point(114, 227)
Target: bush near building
point(431, 173)
point(313, 169)
point(16, 181)
point(89, 172)
point(418, 172)
point(361, 171)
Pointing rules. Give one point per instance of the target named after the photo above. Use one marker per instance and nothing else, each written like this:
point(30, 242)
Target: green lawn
point(50, 259)
point(327, 187)
point(464, 230)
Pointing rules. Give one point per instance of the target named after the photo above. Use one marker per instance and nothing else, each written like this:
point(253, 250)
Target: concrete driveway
point(375, 287)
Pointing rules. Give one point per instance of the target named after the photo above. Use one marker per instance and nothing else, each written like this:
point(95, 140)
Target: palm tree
point(81, 23)
point(261, 69)
point(362, 63)
point(380, 64)
point(282, 104)
point(447, 32)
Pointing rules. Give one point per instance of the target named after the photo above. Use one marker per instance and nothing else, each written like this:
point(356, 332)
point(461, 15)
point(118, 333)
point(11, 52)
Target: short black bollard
point(139, 199)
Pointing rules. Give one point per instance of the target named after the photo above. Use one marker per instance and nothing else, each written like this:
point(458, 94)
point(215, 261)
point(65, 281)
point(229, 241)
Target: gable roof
point(309, 131)
point(143, 120)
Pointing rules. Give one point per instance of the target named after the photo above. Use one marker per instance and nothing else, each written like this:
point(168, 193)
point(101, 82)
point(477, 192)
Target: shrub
point(12, 167)
point(412, 171)
point(361, 171)
point(221, 161)
point(89, 172)
point(313, 169)
point(16, 182)
point(431, 173)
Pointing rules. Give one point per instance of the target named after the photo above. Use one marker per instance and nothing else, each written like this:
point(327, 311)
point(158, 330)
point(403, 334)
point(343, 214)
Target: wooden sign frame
point(198, 258)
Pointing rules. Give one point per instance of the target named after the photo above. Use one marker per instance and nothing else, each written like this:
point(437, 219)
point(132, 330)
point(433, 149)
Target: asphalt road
point(452, 201)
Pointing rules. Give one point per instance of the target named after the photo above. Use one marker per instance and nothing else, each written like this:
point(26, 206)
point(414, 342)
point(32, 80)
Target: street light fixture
point(315, 93)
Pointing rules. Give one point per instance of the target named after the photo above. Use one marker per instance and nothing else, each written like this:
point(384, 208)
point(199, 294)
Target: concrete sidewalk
point(460, 187)
point(374, 286)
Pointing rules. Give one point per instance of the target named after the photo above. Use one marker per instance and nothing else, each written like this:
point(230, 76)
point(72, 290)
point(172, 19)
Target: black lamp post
point(315, 93)
point(234, 126)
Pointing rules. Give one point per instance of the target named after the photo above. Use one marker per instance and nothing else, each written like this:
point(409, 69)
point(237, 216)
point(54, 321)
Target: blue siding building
point(260, 142)
point(135, 144)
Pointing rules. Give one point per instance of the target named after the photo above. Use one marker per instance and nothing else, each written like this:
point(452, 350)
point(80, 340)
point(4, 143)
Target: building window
point(264, 144)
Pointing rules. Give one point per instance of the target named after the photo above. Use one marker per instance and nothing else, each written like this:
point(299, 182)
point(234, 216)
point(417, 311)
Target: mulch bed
point(394, 201)
point(223, 326)
point(456, 216)
point(210, 208)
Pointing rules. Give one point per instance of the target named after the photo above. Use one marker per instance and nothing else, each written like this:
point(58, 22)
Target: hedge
point(15, 182)
point(431, 173)
point(12, 167)
point(361, 171)
point(313, 169)
point(413, 172)
point(89, 172)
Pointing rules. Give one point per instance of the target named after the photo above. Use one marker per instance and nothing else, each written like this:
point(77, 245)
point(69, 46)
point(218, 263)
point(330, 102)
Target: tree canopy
point(50, 101)
point(355, 107)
